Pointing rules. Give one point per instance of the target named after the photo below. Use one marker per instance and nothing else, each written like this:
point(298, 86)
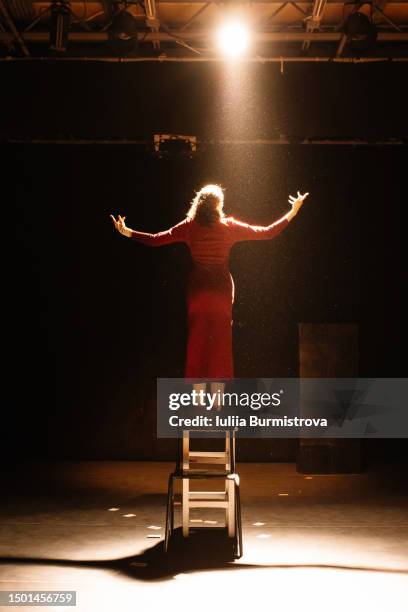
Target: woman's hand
point(296, 203)
point(121, 227)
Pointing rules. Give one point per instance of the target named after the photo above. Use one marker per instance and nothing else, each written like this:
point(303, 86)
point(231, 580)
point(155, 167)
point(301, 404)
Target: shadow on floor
point(201, 551)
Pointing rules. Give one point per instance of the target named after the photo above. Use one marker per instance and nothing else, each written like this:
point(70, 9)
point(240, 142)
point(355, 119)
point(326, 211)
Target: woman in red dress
point(210, 294)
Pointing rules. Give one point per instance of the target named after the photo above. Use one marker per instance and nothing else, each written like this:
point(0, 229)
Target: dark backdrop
point(97, 318)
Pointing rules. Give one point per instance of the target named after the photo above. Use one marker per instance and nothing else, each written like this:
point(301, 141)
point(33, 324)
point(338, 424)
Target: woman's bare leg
point(200, 387)
point(218, 389)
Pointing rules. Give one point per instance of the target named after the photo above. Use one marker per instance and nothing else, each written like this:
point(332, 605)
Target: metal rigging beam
point(313, 22)
point(16, 33)
point(196, 14)
point(152, 21)
point(203, 35)
point(379, 15)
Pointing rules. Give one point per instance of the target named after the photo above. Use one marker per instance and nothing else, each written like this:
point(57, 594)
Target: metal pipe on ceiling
point(202, 35)
point(259, 60)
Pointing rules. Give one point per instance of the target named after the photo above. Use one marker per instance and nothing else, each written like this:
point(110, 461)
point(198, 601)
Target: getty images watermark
point(218, 400)
point(270, 407)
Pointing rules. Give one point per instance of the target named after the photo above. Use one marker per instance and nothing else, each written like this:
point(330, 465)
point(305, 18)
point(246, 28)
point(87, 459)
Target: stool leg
point(228, 450)
point(172, 508)
point(186, 450)
point(231, 508)
point(186, 507)
point(238, 521)
point(169, 513)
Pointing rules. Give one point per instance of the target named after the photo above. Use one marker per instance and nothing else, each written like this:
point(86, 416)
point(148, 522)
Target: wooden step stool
point(207, 465)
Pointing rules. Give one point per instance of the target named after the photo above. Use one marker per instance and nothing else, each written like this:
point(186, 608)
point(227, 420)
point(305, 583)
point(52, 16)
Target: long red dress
point(210, 292)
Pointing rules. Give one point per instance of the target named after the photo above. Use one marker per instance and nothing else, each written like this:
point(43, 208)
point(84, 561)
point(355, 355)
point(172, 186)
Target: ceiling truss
point(183, 30)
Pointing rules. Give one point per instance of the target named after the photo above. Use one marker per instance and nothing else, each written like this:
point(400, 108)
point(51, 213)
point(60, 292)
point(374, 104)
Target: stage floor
point(310, 542)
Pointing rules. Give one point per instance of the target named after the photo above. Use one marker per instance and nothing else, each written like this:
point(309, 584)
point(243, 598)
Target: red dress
point(210, 292)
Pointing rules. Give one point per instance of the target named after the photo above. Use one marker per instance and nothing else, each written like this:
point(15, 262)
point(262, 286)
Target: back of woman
point(209, 244)
point(210, 289)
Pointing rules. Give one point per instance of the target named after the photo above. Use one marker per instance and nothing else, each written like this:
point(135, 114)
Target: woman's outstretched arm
point(177, 233)
point(244, 231)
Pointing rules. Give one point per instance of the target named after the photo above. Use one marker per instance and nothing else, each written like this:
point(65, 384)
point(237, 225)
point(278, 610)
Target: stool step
point(220, 458)
point(199, 474)
point(208, 504)
point(219, 495)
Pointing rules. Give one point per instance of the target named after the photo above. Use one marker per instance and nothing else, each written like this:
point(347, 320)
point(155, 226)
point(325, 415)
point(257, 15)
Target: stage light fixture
point(233, 38)
point(166, 145)
point(60, 22)
point(361, 32)
point(123, 33)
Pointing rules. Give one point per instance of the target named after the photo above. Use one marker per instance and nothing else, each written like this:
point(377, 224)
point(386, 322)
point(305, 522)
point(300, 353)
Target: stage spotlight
point(59, 26)
point(123, 33)
point(361, 32)
point(233, 39)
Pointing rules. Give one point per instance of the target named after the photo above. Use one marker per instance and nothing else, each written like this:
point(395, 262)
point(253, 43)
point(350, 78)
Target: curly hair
point(207, 205)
